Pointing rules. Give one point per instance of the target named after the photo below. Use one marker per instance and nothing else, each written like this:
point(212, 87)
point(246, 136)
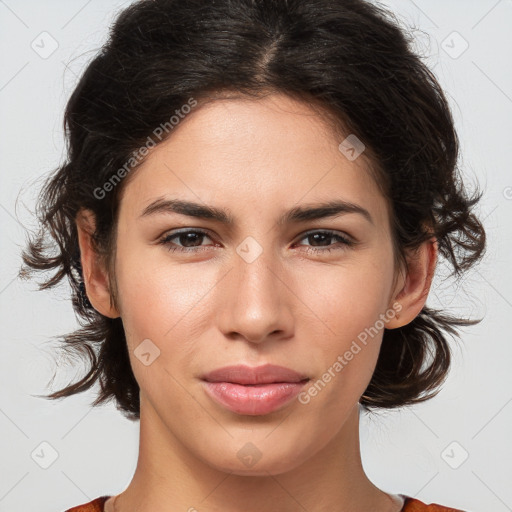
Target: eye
point(323, 237)
point(190, 241)
point(189, 238)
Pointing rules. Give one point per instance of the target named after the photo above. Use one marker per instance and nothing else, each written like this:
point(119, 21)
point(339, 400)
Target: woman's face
point(253, 291)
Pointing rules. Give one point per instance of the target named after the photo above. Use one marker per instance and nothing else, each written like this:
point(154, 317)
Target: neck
point(169, 476)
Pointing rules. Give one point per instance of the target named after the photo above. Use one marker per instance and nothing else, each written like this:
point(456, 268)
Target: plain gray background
point(419, 451)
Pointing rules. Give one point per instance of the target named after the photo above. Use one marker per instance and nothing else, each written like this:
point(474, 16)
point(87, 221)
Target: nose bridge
point(255, 303)
point(255, 270)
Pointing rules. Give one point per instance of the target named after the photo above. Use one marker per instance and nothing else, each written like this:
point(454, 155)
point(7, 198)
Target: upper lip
point(243, 374)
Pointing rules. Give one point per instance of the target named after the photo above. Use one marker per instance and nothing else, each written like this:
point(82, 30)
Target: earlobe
point(417, 283)
point(95, 276)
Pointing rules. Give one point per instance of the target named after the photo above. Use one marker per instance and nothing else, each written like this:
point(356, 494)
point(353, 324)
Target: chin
point(257, 458)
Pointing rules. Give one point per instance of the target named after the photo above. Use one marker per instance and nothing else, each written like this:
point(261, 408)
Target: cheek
point(349, 298)
point(155, 294)
point(164, 303)
point(350, 303)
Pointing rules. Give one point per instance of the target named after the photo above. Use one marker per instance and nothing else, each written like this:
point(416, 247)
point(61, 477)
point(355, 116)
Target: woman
point(255, 199)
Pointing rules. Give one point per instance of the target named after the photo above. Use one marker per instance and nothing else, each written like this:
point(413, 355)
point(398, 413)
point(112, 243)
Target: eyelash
point(165, 240)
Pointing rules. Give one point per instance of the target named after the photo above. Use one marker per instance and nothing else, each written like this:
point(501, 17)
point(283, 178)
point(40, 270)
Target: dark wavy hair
point(349, 58)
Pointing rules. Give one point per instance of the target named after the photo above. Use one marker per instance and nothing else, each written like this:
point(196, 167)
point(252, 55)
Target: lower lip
point(253, 400)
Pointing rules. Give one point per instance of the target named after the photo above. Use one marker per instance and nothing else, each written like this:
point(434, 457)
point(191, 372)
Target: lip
point(243, 374)
point(253, 390)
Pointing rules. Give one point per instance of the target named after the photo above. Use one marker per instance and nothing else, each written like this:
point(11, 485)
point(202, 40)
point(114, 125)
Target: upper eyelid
point(172, 233)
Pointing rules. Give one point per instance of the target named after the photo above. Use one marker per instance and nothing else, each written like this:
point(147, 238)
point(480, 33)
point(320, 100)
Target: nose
point(256, 301)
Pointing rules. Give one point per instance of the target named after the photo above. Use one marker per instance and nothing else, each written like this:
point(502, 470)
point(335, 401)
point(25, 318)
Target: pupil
point(189, 237)
point(325, 236)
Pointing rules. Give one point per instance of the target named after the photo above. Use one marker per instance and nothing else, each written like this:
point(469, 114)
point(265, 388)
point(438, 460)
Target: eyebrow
point(294, 215)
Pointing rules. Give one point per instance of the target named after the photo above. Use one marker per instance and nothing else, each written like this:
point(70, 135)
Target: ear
point(416, 285)
point(95, 276)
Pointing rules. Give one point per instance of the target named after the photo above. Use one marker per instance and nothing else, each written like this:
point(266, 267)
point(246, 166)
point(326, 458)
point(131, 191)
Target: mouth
point(253, 391)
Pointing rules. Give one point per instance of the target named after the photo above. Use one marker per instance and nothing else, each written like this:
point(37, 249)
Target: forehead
point(269, 151)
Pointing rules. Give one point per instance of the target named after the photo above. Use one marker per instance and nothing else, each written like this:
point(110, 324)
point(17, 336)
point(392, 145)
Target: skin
point(205, 310)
